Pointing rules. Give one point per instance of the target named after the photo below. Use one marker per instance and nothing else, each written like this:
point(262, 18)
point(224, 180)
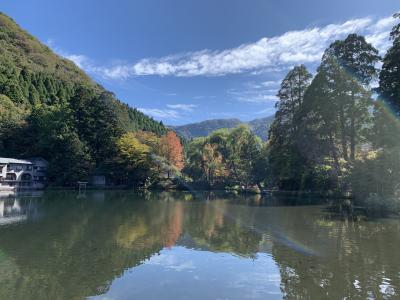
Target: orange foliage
point(171, 148)
point(175, 227)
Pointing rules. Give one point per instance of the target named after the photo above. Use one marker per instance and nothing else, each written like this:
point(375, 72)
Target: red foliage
point(171, 148)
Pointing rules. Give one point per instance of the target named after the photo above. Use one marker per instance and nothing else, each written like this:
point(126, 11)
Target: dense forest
point(335, 131)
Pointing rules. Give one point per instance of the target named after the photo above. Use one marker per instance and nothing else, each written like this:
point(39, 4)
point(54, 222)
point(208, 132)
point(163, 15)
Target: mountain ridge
point(189, 131)
point(31, 74)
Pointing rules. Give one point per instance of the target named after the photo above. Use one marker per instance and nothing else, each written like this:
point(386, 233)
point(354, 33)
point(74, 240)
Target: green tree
point(96, 122)
point(244, 151)
point(389, 78)
point(51, 134)
point(285, 157)
point(357, 58)
point(336, 113)
point(374, 179)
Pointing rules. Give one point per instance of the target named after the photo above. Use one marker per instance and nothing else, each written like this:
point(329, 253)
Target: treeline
point(143, 159)
point(227, 158)
point(332, 131)
point(84, 137)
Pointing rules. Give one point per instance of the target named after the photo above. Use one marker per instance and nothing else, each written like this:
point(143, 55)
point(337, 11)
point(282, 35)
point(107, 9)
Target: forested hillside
point(204, 128)
point(31, 74)
point(201, 129)
point(261, 126)
point(51, 108)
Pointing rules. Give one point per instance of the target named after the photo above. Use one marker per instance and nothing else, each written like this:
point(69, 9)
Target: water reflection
point(121, 245)
point(17, 208)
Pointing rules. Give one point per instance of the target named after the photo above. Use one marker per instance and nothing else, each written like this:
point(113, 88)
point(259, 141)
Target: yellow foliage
point(128, 233)
point(131, 149)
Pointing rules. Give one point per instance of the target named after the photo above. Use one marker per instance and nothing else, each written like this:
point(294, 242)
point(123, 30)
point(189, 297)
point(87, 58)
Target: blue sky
point(184, 61)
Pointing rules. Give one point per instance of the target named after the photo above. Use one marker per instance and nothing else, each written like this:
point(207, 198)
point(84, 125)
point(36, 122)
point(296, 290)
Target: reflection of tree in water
point(213, 226)
point(78, 247)
point(209, 224)
point(360, 261)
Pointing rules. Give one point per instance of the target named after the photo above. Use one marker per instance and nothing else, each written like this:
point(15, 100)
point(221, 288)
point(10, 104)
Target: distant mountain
point(259, 126)
point(204, 128)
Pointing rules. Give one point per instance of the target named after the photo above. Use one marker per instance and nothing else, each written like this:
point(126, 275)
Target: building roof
point(6, 160)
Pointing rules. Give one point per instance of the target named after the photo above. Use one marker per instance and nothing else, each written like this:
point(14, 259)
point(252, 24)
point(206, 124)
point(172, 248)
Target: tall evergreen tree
point(389, 78)
point(338, 104)
point(285, 158)
point(357, 58)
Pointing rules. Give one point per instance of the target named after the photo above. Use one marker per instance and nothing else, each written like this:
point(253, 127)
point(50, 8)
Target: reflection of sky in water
point(181, 273)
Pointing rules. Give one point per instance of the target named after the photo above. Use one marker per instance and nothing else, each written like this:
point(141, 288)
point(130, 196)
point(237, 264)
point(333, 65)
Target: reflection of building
point(11, 212)
point(22, 173)
point(18, 207)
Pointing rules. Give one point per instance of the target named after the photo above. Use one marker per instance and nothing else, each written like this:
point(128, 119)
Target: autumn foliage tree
point(133, 161)
point(171, 149)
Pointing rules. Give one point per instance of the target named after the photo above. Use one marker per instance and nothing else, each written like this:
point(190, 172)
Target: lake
point(178, 245)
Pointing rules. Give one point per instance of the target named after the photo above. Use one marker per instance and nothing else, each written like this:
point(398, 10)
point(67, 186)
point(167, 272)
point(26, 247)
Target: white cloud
point(80, 60)
point(254, 95)
point(258, 98)
point(385, 23)
point(170, 261)
point(183, 107)
point(172, 112)
point(271, 83)
point(294, 47)
point(380, 40)
point(116, 72)
point(273, 54)
point(161, 113)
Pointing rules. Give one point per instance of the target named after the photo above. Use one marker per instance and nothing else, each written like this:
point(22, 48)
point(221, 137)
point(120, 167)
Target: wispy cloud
point(275, 53)
point(292, 47)
point(117, 71)
point(183, 107)
point(271, 83)
point(79, 60)
point(254, 95)
point(171, 112)
point(260, 98)
point(168, 114)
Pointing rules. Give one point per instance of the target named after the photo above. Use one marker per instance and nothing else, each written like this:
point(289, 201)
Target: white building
point(22, 173)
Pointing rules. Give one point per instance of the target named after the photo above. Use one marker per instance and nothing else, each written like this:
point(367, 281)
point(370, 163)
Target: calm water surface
point(122, 245)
